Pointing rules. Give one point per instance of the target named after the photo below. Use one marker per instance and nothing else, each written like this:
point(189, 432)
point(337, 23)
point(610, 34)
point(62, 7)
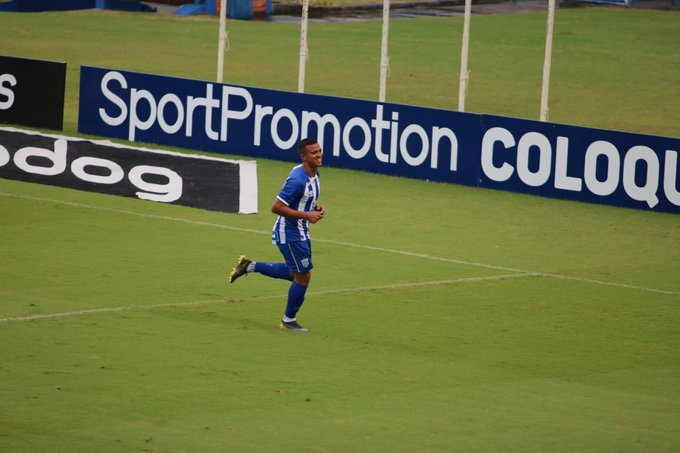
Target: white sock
point(251, 267)
point(287, 319)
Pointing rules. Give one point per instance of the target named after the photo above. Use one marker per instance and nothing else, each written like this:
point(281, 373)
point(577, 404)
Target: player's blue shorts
point(298, 256)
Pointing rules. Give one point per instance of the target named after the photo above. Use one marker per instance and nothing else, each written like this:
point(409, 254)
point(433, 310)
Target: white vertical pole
point(384, 58)
point(547, 61)
point(303, 46)
point(464, 73)
point(221, 40)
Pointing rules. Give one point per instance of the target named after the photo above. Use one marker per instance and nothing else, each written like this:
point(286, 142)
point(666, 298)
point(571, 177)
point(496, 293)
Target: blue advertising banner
point(383, 138)
point(546, 159)
point(579, 163)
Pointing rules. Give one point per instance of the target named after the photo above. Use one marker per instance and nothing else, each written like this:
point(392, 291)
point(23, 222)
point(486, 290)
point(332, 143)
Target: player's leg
point(296, 297)
point(273, 270)
point(296, 294)
point(298, 257)
point(245, 265)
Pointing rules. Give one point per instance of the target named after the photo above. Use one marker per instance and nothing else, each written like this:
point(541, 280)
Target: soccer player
point(297, 207)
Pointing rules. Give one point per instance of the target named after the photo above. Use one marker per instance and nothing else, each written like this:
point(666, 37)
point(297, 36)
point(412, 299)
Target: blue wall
point(45, 5)
point(65, 5)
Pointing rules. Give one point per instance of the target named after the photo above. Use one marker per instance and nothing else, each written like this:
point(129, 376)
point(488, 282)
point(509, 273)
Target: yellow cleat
point(241, 268)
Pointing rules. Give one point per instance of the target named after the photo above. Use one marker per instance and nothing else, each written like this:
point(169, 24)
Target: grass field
point(441, 317)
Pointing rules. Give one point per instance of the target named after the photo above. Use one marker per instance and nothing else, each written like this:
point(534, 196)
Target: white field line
point(91, 311)
point(354, 245)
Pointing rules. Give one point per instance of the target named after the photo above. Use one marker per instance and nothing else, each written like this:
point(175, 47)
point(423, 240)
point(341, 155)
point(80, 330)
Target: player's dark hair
point(305, 143)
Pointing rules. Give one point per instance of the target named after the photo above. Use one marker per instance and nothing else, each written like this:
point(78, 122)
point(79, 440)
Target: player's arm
point(282, 209)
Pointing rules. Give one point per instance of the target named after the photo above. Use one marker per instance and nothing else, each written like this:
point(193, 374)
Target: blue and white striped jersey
point(300, 192)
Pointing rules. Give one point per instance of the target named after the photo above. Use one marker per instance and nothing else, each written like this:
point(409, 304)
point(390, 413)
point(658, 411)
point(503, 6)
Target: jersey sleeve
point(291, 191)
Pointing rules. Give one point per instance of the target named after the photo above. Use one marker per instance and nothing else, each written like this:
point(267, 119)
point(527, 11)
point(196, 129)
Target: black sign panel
point(189, 180)
point(32, 92)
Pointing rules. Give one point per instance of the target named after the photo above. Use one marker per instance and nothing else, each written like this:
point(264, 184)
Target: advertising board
point(104, 167)
point(32, 92)
point(547, 159)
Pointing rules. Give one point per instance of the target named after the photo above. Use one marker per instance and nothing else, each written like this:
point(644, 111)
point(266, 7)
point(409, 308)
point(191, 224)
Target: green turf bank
point(548, 159)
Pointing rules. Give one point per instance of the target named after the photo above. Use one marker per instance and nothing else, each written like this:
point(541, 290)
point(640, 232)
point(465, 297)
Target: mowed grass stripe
point(349, 244)
point(264, 297)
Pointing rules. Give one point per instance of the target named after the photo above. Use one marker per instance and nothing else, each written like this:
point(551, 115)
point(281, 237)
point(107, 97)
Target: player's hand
point(320, 208)
point(314, 216)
